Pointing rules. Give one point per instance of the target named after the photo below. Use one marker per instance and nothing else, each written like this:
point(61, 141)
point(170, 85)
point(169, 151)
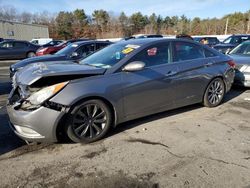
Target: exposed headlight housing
point(42, 95)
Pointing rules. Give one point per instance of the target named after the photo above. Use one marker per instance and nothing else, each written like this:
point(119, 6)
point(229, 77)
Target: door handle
point(208, 64)
point(170, 73)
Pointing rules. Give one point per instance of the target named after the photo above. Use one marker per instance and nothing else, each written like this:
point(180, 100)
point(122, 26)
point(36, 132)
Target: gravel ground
point(192, 146)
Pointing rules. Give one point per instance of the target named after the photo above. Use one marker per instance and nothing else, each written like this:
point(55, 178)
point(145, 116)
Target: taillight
point(42, 50)
point(231, 63)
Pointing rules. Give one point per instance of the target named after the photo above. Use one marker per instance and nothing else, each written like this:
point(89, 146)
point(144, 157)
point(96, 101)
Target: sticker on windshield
point(118, 55)
point(127, 50)
point(152, 51)
point(74, 45)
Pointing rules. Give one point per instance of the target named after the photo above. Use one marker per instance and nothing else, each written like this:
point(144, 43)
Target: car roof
point(241, 35)
point(91, 41)
point(203, 37)
point(16, 41)
point(143, 41)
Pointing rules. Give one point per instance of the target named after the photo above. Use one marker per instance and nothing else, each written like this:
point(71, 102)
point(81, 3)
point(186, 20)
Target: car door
point(191, 80)
point(150, 90)
point(20, 49)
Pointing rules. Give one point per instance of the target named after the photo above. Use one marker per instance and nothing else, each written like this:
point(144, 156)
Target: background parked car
point(124, 81)
point(54, 49)
point(231, 42)
point(72, 52)
point(16, 49)
point(210, 41)
point(52, 43)
point(241, 56)
point(41, 41)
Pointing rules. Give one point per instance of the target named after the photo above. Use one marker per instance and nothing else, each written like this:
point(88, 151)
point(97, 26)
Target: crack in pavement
point(143, 141)
point(222, 161)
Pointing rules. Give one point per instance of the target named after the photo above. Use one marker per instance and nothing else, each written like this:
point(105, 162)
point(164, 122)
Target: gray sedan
point(15, 49)
point(241, 56)
point(121, 82)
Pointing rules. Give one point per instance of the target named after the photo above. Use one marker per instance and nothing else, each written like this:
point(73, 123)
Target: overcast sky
point(191, 8)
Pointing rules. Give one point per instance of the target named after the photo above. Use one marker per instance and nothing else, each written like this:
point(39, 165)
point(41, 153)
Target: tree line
point(103, 24)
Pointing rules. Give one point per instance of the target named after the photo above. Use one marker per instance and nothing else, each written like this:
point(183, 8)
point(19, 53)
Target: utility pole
point(226, 26)
point(248, 23)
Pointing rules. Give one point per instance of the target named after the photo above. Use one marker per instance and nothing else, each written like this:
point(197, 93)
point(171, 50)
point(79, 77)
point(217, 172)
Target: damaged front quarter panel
point(39, 76)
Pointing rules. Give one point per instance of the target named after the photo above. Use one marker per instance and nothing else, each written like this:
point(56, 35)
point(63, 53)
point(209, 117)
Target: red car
point(53, 49)
point(50, 49)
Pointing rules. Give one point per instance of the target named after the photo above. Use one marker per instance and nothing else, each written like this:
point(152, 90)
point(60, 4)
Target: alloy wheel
point(89, 121)
point(215, 92)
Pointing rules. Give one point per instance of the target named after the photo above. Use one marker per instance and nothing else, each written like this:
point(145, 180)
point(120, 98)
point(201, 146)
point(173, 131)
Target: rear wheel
point(214, 93)
point(31, 54)
point(89, 121)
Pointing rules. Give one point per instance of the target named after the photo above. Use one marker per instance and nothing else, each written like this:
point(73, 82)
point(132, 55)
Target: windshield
point(110, 55)
point(243, 49)
point(67, 50)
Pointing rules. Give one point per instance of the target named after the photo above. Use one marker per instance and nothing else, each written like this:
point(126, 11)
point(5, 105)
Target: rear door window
point(86, 50)
point(101, 45)
point(187, 51)
point(20, 45)
point(213, 40)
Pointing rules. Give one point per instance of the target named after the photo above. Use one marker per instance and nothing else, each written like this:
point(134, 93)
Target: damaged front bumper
point(33, 123)
point(35, 126)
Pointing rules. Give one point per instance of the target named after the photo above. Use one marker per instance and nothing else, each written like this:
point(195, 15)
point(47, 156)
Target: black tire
point(31, 54)
point(89, 121)
point(214, 93)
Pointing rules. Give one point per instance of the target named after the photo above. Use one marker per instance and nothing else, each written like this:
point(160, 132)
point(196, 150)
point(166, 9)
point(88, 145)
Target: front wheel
point(89, 121)
point(214, 93)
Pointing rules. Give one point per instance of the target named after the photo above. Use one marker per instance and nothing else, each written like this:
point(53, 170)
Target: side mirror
point(74, 54)
point(134, 66)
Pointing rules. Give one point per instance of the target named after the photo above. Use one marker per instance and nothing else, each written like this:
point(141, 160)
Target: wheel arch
point(30, 52)
point(61, 124)
point(217, 76)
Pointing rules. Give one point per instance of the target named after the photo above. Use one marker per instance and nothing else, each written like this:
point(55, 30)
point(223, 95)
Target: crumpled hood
point(32, 73)
point(37, 59)
point(240, 59)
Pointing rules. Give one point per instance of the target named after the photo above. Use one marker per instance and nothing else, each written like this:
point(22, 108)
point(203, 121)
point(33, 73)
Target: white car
point(41, 41)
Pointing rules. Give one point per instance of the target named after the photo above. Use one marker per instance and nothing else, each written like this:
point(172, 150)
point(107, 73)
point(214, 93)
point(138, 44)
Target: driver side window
point(86, 50)
point(154, 55)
